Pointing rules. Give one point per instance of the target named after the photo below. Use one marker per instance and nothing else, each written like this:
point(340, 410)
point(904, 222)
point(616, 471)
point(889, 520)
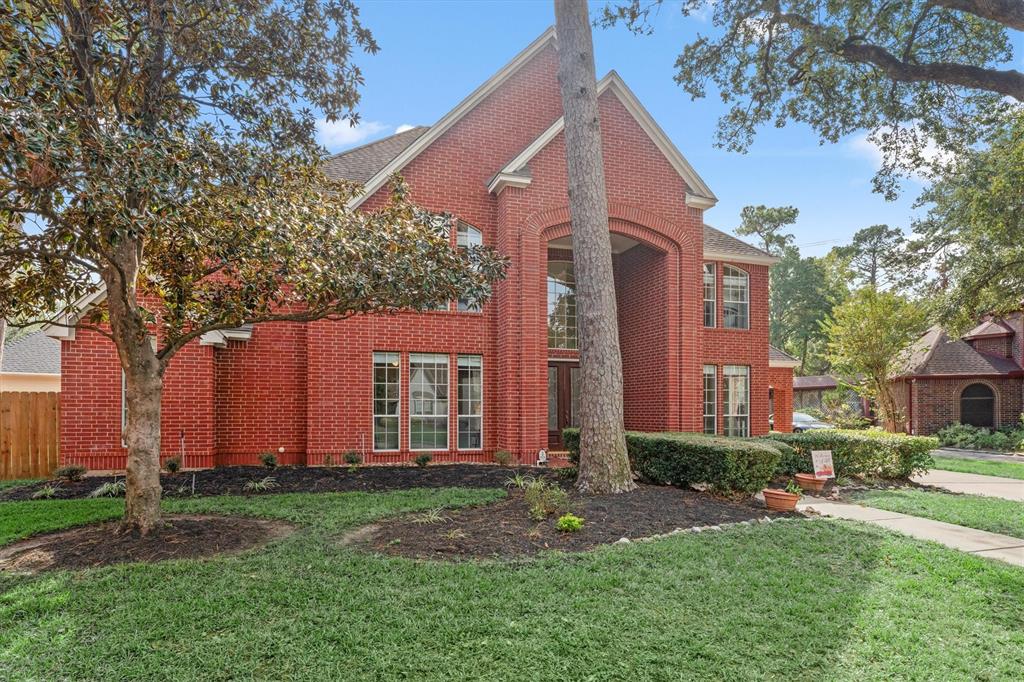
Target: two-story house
point(466, 380)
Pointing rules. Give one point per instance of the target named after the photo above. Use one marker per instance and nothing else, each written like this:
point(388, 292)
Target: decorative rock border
point(705, 529)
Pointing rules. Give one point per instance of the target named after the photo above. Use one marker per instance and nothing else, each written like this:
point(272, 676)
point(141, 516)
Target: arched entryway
point(978, 405)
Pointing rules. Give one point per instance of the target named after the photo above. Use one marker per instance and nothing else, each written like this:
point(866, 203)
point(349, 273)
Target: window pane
point(385, 401)
point(561, 305)
point(552, 398)
point(709, 295)
point(736, 383)
point(710, 399)
point(428, 401)
point(470, 402)
point(735, 298)
point(467, 238)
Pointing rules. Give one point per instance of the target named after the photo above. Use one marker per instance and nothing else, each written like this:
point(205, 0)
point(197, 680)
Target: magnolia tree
point(161, 154)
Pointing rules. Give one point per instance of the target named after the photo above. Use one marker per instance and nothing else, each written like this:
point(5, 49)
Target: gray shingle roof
point(776, 355)
point(717, 241)
point(936, 354)
point(34, 353)
point(815, 382)
point(363, 162)
point(989, 328)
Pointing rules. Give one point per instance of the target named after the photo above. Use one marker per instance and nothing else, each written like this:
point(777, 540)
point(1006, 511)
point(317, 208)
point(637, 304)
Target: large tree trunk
point(3, 340)
point(604, 465)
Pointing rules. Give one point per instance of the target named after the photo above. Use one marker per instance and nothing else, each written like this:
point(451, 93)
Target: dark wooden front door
point(563, 392)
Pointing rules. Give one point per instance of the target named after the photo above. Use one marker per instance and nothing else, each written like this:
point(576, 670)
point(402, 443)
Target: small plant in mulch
point(569, 523)
point(109, 489)
point(423, 460)
point(173, 465)
point(268, 459)
point(47, 492)
point(260, 485)
point(519, 481)
point(430, 516)
point(72, 473)
point(545, 498)
point(352, 458)
point(503, 457)
point(455, 534)
point(329, 460)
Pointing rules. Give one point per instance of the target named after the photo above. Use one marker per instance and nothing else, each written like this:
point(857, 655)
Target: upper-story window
point(710, 296)
point(561, 305)
point(735, 298)
point(467, 237)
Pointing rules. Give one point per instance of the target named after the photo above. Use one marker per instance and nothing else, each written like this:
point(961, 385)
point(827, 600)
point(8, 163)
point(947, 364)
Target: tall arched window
point(978, 406)
point(561, 305)
point(735, 298)
point(467, 237)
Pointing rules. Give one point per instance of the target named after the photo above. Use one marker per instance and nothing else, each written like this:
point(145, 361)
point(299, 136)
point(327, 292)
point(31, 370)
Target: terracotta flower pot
point(780, 500)
point(810, 482)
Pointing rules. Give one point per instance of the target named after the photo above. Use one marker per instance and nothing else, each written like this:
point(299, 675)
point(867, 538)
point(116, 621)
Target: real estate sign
point(823, 463)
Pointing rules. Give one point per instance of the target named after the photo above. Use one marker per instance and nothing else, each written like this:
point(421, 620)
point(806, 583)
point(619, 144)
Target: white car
point(805, 422)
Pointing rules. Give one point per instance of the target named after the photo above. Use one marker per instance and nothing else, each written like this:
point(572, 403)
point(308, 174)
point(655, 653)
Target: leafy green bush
point(728, 465)
point(268, 459)
point(47, 492)
point(503, 457)
point(71, 472)
point(545, 498)
point(858, 453)
point(173, 465)
point(423, 460)
point(353, 457)
point(966, 436)
point(569, 523)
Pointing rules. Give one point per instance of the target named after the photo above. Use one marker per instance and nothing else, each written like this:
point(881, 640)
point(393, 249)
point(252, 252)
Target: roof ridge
point(734, 237)
point(336, 155)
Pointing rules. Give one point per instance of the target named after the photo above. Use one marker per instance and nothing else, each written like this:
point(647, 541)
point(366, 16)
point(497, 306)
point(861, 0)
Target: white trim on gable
point(699, 194)
point(734, 258)
point(452, 117)
point(66, 329)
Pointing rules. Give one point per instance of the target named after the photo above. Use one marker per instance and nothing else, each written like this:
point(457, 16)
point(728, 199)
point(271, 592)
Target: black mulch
point(504, 530)
point(179, 537)
point(232, 480)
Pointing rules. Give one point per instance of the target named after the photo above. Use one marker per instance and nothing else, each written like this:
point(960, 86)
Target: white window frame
point(467, 236)
point(373, 402)
point(459, 416)
point(710, 371)
point(710, 271)
point(575, 339)
point(435, 358)
point(730, 372)
point(741, 282)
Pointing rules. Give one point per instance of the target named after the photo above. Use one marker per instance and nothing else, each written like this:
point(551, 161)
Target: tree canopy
point(766, 223)
point(875, 256)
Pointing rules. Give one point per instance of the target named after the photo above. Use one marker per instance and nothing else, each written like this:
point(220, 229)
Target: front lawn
point(17, 483)
point(986, 467)
point(806, 599)
point(973, 511)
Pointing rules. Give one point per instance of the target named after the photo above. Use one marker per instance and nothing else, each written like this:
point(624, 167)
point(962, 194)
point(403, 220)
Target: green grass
point(814, 599)
point(973, 511)
point(15, 484)
point(986, 467)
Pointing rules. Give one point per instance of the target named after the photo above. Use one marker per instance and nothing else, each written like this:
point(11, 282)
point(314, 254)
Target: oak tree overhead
point(162, 153)
point(604, 464)
point(915, 73)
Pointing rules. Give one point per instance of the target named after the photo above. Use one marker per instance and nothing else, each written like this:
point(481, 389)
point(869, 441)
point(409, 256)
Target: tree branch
point(1007, 12)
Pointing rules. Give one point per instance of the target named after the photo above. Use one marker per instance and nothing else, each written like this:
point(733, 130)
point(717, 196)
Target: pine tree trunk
point(604, 465)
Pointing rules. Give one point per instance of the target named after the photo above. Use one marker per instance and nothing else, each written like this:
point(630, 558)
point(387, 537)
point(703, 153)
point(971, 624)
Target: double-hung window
point(386, 401)
point(736, 384)
point(468, 238)
point(428, 401)
point(470, 397)
point(710, 399)
point(710, 295)
point(735, 298)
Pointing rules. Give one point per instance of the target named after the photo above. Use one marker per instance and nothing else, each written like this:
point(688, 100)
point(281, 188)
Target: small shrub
point(545, 498)
point(569, 523)
point(862, 454)
point(520, 481)
point(353, 468)
point(423, 459)
point(353, 457)
point(47, 492)
point(975, 437)
point(71, 472)
point(173, 465)
point(268, 459)
point(109, 489)
point(261, 485)
point(503, 457)
point(328, 460)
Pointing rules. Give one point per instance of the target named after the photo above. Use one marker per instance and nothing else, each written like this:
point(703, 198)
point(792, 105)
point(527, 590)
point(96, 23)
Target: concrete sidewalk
point(982, 543)
point(962, 453)
point(974, 484)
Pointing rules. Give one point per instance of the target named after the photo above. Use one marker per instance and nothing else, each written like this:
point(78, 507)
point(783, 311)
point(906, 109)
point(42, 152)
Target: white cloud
point(337, 135)
point(402, 128)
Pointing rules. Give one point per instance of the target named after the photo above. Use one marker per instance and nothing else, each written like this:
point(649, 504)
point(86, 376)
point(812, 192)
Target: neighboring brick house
point(978, 379)
point(463, 382)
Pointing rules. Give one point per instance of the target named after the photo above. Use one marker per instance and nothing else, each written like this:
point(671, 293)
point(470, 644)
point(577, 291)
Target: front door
point(563, 396)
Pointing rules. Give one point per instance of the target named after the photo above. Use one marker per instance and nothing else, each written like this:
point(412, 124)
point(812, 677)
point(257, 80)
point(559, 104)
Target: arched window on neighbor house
point(978, 406)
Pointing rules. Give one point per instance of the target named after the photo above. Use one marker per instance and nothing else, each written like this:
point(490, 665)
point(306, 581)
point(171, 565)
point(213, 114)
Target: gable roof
point(780, 358)
point(936, 354)
point(721, 246)
point(989, 329)
point(698, 195)
point(814, 382)
point(33, 353)
point(435, 131)
point(363, 162)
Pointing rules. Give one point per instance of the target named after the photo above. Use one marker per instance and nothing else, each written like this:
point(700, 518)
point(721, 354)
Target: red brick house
point(465, 381)
point(978, 379)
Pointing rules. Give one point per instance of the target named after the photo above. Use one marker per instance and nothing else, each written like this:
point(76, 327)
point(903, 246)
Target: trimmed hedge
point(728, 465)
point(858, 453)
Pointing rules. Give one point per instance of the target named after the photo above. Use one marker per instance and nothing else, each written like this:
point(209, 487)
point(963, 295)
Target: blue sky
point(435, 53)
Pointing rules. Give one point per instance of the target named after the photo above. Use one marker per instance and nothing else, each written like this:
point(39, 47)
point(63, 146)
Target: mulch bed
point(180, 537)
point(504, 530)
point(232, 480)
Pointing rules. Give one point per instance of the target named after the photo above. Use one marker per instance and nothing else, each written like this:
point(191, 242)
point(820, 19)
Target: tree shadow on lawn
point(815, 599)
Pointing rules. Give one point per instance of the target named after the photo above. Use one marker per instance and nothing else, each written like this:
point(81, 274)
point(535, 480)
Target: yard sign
point(823, 463)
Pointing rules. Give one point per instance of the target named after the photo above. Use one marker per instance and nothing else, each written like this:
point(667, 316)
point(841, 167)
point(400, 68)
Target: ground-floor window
point(736, 383)
point(386, 400)
point(710, 399)
point(470, 397)
point(428, 401)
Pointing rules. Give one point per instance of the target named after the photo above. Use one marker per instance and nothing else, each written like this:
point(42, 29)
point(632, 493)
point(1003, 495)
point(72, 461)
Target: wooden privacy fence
point(28, 434)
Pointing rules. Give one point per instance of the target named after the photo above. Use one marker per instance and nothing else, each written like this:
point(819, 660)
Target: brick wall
point(780, 381)
point(937, 401)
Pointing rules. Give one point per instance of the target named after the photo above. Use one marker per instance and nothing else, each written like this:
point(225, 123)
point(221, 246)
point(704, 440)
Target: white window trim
point(448, 413)
point(459, 415)
point(704, 399)
point(727, 408)
point(746, 280)
point(374, 415)
point(714, 294)
point(477, 307)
